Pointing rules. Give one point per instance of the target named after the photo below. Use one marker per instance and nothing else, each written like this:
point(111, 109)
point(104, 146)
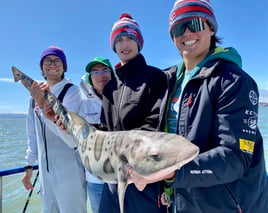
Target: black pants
point(147, 201)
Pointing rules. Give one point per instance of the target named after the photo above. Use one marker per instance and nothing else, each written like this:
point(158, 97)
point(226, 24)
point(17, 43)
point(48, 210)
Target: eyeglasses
point(48, 61)
point(98, 72)
point(194, 25)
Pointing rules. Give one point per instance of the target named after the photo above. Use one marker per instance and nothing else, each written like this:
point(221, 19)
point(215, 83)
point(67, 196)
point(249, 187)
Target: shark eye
point(156, 157)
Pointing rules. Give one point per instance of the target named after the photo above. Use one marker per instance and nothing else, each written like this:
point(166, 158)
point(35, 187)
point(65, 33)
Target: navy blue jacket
point(219, 112)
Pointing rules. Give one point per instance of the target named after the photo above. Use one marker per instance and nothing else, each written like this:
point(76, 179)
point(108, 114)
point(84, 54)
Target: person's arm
point(26, 179)
point(37, 92)
point(71, 101)
point(31, 153)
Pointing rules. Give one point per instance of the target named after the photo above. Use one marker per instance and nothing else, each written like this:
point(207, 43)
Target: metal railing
point(12, 171)
point(7, 172)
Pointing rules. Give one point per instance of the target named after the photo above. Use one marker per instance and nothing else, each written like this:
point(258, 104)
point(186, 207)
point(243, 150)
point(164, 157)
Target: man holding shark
point(110, 155)
point(215, 105)
point(60, 167)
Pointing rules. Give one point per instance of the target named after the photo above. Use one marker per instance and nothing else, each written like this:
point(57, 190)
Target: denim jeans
point(94, 194)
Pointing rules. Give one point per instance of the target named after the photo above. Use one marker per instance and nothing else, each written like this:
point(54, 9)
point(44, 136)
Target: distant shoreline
point(24, 114)
point(263, 104)
point(13, 115)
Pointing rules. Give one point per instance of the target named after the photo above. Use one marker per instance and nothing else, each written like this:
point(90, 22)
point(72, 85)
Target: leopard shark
point(108, 155)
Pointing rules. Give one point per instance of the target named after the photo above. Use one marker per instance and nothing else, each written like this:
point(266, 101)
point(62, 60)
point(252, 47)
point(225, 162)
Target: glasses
point(48, 61)
point(98, 73)
point(194, 25)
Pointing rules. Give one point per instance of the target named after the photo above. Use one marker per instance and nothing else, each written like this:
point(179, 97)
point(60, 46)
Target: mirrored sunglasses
point(194, 25)
point(48, 61)
point(99, 72)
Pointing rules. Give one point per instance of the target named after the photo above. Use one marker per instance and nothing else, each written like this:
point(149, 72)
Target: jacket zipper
point(120, 104)
point(239, 210)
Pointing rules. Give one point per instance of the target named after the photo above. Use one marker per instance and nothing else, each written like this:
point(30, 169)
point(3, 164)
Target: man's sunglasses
point(194, 25)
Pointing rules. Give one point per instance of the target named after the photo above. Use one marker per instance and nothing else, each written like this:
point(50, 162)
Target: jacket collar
point(133, 68)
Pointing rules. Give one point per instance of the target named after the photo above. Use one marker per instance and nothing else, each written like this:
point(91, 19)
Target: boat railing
point(6, 172)
point(12, 171)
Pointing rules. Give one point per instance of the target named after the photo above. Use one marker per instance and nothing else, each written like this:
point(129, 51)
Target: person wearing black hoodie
point(132, 101)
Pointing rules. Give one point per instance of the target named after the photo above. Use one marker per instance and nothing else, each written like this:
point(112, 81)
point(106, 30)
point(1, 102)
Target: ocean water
point(13, 145)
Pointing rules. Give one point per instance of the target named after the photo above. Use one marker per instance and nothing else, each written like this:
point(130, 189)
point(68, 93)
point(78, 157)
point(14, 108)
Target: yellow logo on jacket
point(246, 145)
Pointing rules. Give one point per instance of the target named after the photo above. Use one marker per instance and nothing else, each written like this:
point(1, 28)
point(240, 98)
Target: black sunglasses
point(194, 25)
point(48, 61)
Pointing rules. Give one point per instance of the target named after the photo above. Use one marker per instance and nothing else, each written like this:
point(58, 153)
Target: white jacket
point(66, 172)
point(90, 110)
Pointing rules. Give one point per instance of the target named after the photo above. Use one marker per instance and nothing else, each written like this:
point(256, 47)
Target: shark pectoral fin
point(122, 186)
point(139, 186)
point(123, 181)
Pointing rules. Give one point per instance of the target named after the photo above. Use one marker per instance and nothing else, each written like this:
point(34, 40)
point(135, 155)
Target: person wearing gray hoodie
point(99, 72)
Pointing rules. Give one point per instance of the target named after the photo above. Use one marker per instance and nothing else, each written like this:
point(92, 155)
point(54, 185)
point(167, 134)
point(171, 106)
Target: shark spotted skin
point(107, 155)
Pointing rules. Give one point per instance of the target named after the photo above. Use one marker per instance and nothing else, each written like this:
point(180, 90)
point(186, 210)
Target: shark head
point(156, 154)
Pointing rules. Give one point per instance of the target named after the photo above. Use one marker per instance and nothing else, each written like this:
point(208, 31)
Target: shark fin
point(122, 186)
point(140, 187)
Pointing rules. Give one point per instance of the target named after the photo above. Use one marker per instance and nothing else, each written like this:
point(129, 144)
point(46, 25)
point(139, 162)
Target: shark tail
point(16, 74)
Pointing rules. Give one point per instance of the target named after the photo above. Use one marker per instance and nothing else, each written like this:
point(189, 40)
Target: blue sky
point(82, 28)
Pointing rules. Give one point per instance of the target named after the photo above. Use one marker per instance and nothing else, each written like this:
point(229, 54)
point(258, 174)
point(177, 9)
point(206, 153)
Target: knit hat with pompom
point(186, 9)
point(126, 26)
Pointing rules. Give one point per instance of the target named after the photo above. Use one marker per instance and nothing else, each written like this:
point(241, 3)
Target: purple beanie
point(53, 50)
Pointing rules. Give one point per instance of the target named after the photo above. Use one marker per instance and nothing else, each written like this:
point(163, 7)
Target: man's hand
point(141, 181)
point(48, 112)
point(37, 92)
point(26, 179)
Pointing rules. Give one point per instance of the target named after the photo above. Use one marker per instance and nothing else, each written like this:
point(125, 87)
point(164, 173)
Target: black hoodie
point(133, 101)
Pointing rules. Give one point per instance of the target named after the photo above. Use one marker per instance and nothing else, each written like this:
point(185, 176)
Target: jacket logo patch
point(252, 122)
point(246, 145)
point(253, 97)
